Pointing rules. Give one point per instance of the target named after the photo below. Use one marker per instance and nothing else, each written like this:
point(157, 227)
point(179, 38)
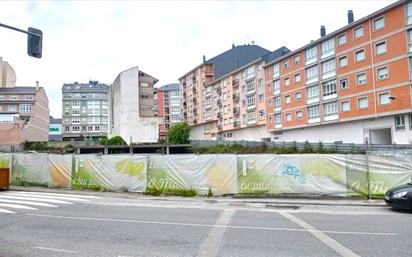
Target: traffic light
point(34, 42)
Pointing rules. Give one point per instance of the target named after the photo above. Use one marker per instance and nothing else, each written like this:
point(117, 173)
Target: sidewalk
point(238, 199)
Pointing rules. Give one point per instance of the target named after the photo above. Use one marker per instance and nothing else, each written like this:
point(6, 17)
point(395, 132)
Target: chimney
point(237, 62)
point(233, 45)
point(322, 31)
point(350, 16)
point(37, 85)
point(204, 58)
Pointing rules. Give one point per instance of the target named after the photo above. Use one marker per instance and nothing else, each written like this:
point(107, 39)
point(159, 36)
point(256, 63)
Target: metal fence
point(336, 146)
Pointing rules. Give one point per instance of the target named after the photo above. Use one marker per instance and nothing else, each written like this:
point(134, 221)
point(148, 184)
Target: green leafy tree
point(179, 133)
point(116, 140)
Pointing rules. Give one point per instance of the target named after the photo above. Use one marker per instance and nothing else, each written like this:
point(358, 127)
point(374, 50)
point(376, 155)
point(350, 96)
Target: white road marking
point(49, 197)
point(17, 206)
point(7, 211)
point(210, 247)
point(28, 203)
point(54, 249)
point(55, 194)
point(208, 225)
point(34, 199)
point(332, 243)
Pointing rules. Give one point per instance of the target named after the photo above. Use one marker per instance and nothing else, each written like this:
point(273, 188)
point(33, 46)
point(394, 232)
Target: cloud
point(96, 40)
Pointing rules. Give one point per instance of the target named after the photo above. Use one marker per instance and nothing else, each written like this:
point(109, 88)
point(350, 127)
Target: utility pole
point(34, 40)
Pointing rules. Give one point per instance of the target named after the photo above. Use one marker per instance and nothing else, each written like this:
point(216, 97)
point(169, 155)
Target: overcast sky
point(96, 40)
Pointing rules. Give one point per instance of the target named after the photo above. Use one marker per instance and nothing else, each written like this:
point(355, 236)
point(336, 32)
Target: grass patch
point(171, 192)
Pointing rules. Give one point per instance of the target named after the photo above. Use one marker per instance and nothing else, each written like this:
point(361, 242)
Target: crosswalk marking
point(10, 201)
point(17, 206)
point(53, 194)
point(6, 211)
point(34, 198)
point(28, 203)
point(68, 198)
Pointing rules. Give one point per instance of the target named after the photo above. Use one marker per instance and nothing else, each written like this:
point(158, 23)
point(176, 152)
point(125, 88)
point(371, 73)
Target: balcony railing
point(235, 83)
point(236, 97)
point(236, 124)
point(236, 110)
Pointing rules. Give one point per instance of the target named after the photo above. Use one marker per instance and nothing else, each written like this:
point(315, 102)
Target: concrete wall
point(38, 127)
point(255, 133)
point(348, 132)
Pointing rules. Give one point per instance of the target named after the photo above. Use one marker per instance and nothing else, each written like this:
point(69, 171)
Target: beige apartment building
point(7, 74)
point(24, 115)
point(223, 98)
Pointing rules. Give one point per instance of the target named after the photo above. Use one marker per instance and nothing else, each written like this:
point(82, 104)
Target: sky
point(96, 40)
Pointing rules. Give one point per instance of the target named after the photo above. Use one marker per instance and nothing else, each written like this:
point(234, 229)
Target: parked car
point(400, 197)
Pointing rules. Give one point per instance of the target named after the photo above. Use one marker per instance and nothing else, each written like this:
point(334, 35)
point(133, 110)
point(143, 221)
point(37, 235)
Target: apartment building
point(24, 115)
point(223, 98)
point(352, 85)
point(132, 107)
point(167, 105)
point(55, 129)
point(85, 114)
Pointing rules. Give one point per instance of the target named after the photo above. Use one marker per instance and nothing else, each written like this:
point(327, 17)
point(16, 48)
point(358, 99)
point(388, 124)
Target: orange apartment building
point(352, 85)
point(223, 98)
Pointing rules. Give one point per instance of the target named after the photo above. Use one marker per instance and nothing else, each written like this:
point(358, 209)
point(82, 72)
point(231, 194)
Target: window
point(261, 115)
point(225, 122)
point(276, 70)
point(409, 13)
point(345, 106)
point(296, 59)
point(277, 102)
point(270, 103)
point(286, 64)
point(382, 73)
point(328, 69)
point(363, 102)
point(328, 48)
point(76, 120)
point(297, 77)
point(75, 111)
point(260, 86)
point(270, 120)
point(287, 81)
point(342, 39)
point(96, 128)
point(330, 109)
point(343, 61)
point(90, 128)
point(66, 128)
point(312, 74)
point(250, 101)
point(298, 96)
point(360, 55)
point(410, 40)
point(1, 97)
point(29, 97)
point(12, 108)
point(380, 48)
point(344, 83)
point(329, 88)
point(399, 122)
point(361, 79)
point(278, 118)
point(250, 86)
point(384, 99)
point(379, 23)
point(288, 116)
point(410, 121)
point(311, 55)
point(276, 85)
point(251, 116)
point(225, 109)
point(25, 108)
point(76, 128)
point(14, 98)
point(250, 72)
point(76, 103)
point(287, 99)
point(144, 96)
point(225, 94)
point(144, 84)
point(358, 32)
point(299, 115)
point(261, 98)
point(313, 92)
point(313, 112)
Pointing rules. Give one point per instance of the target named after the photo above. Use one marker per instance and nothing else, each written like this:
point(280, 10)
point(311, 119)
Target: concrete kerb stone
point(274, 200)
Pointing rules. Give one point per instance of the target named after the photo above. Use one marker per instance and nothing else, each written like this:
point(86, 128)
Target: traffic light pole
point(19, 30)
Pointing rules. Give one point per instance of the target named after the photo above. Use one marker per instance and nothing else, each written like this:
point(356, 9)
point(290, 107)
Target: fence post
point(368, 176)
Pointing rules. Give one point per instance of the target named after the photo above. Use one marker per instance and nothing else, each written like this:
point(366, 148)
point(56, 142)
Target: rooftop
point(18, 90)
point(92, 85)
point(169, 87)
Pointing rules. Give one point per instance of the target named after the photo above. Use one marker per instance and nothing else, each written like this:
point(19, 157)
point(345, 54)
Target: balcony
point(236, 124)
point(219, 115)
point(251, 107)
point(219, 102)
point(219, 127)
point(235, 83)
point(236, 110)
point(218, 89)
point(250, 90)
point(251, 122)
point(194, 90)
point(195, 121)
point(236, 97)
point(194, 99)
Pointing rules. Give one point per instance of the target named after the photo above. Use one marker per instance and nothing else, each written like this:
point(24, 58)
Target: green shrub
point(116, 140)
point(179, 133)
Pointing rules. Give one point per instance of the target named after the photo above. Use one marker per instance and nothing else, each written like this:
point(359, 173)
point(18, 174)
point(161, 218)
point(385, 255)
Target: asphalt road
point(47, 224)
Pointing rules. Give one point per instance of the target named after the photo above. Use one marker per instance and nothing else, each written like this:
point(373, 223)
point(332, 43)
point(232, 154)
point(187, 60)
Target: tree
point(116, 140)
point(179, 133)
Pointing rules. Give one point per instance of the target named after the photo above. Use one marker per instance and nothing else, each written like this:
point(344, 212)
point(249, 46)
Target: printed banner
point(197, 172)
point(109, 172)
point(5, 160)
point(40, 169)
point(291, 174)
